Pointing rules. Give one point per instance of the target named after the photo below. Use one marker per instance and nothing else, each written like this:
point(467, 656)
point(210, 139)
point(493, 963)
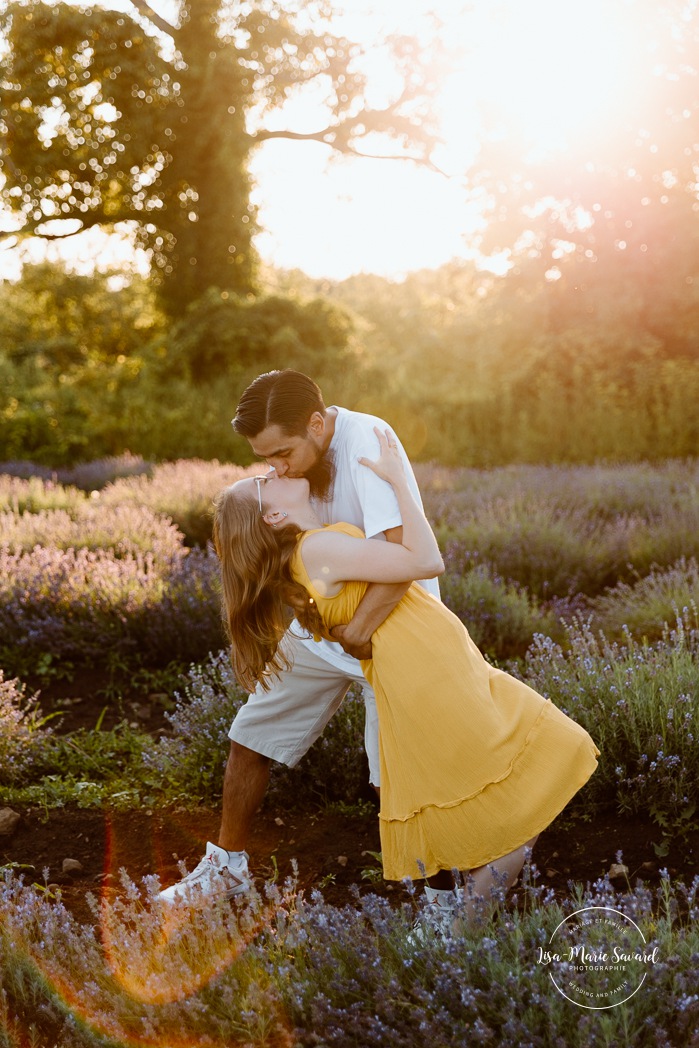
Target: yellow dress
point(473, 762)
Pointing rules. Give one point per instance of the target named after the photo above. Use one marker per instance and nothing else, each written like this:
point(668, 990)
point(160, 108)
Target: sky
point(554, 66)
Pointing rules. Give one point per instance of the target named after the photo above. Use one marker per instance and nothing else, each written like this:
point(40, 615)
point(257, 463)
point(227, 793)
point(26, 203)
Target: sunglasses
point(258, 483)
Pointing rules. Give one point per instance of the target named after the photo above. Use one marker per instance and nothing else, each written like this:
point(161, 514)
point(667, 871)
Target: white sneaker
point(437, 919)
point(218, 876)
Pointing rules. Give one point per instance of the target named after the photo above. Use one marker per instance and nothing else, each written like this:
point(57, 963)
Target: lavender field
point(584, 581)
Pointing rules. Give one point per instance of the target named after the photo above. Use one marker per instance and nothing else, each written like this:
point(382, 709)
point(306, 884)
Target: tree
point(109, 117)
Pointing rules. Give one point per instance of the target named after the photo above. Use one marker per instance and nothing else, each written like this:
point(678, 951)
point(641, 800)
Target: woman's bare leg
point(500, 874)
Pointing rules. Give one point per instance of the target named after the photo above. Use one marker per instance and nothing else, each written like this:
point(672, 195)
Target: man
point(284, 418)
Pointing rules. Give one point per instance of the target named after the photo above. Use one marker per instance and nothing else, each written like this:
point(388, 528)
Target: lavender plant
point(282, 970)
point(560, 531)
point(182, 491)
point(189, 760)
point(638, 701)
point(501, 617)
point(22, 731)
point(603, 491)
point(94, 607)
point(34, 495)
point(126, 530)
point(88, 476)
point(651, 603)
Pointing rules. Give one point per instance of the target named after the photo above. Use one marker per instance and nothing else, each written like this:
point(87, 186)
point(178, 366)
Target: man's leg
point(279, 724)
point(244, 786)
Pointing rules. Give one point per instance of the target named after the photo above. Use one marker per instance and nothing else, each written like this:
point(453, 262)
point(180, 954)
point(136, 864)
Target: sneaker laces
point(211, 864)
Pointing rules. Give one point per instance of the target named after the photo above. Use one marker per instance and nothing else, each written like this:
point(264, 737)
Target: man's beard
point(321, 476)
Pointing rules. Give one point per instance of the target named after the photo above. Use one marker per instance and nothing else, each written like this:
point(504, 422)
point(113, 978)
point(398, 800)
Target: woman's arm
point(331, 558)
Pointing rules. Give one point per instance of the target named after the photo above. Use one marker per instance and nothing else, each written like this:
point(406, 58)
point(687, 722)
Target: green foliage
point(474, 369)
point(71, 349)
point(89, 768)
point(584, 350)
point(225, 335)
point(91, 371)
point(66, 323)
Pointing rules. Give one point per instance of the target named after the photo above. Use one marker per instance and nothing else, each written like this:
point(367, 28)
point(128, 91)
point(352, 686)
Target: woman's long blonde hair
point(259, 590)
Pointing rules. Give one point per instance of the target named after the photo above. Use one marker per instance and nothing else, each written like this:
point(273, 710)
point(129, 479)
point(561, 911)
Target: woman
point(474, 764)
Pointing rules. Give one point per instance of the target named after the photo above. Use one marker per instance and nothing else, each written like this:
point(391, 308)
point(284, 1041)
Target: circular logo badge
point(597, 957)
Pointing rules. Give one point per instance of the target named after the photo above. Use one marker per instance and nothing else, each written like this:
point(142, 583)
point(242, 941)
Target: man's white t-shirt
point(359, 497)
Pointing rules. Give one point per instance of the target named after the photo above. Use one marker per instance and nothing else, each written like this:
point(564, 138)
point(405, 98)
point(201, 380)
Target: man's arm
point(374, 608)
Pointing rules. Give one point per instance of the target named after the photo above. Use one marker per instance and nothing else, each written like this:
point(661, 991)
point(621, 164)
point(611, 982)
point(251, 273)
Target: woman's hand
point(389, 465)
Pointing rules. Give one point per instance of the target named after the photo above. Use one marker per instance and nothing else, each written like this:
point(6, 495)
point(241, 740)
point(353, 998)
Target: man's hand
point(358, 648)
point(374, 608)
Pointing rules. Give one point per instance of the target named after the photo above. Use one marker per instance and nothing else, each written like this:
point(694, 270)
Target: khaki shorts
point(284, 722)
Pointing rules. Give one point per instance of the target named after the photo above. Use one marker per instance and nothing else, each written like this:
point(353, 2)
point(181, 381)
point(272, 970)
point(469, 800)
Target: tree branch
point(298, 136)
point(62, 236)
point(144, 8)
point(327, 137)
point(422, 161)
point(31, 230)
point(34, 228)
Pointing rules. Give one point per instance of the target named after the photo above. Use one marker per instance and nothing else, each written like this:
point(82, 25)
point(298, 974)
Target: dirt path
point(333, 850)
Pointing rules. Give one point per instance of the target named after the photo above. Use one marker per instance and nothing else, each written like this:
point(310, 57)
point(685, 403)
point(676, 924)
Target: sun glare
point(548, 71)
point(547, 74)
point(536, 76)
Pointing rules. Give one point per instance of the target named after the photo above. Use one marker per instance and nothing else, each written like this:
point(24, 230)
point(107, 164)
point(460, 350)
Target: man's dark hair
point(279, 398)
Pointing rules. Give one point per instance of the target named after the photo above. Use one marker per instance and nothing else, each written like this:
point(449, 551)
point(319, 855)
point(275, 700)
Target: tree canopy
point(110, 116)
